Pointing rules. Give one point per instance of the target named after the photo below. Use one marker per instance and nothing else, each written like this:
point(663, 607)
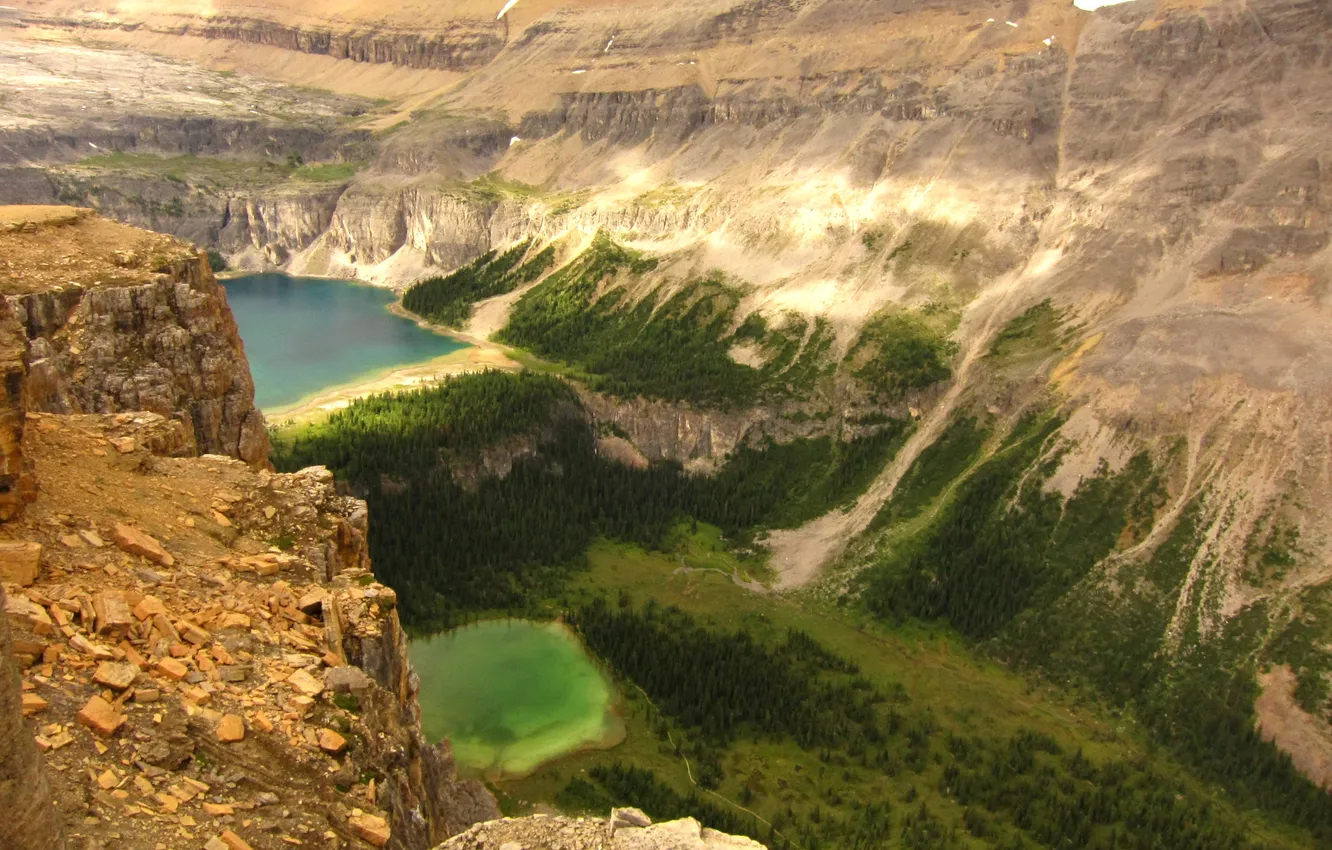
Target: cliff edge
point(121, 319)
point(197, 648)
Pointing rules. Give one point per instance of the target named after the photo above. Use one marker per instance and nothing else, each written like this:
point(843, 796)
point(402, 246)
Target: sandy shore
point(479, 356)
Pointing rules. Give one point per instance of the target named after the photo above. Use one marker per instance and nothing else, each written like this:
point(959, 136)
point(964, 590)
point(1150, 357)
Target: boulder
point(116, 675)
point(138, 542)
point(19, 561)
point(230, 729)
point(101, 717)
point(627, 817)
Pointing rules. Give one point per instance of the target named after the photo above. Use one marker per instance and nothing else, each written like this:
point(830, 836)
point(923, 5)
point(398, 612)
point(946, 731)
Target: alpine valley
point(827, 424)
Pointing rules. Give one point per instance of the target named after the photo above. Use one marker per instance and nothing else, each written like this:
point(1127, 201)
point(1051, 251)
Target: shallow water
point(511, 694)
point(306, 335)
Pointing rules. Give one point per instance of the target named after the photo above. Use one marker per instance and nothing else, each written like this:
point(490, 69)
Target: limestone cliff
point(119, 319)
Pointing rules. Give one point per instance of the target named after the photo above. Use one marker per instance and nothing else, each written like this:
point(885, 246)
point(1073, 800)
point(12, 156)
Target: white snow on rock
point(1093, 5)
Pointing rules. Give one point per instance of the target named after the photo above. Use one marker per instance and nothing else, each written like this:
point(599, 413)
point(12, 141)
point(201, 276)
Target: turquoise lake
point(511, 694)
point(304, 335)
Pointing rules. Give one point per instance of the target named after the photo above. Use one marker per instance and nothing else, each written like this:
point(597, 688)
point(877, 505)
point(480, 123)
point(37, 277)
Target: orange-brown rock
point(115, 675)
point(234, 841)
point(101, 717)
point(172, 669)
point(331, 742)
point(113, 614)
point(230, 729)
point(138, 542)
point(20, 561)
point(370, 828)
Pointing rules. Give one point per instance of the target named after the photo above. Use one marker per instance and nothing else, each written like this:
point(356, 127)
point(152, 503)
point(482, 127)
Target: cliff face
point(16, 485)
point(462, 45)
point(697, 437)
point(119, 319)
point(192, 638)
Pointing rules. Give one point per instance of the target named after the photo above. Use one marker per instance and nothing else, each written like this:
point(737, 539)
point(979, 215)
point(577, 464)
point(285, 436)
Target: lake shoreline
point(612, 726)
point(321, 404)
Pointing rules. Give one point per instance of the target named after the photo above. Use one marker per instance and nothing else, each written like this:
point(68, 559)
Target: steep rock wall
point(140, 327)
point(462, 45)
point(693, 436)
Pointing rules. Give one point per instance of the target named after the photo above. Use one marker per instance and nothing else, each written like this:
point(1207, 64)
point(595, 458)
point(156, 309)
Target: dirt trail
point(799, 554)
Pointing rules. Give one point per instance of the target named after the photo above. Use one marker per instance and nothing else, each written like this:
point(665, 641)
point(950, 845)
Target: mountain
point(1084, 255)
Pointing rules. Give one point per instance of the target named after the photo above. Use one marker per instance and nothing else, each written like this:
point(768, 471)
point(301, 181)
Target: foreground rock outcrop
point(25, 796)
point(122, 319)
point(193, 645)
point(625, 829)
point(207, 658)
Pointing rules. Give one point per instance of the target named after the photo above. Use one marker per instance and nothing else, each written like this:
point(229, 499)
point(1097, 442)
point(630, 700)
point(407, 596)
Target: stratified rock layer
point(15, 478)
point(124, 320)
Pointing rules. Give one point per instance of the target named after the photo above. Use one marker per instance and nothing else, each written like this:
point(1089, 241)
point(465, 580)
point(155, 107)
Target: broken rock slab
point(370, 828)
point(627, 817)
point(117, 676)
point(20, 561)
point(101, 717)
point(113, 614)
point(138, 542)
point(347, 680)
point(230, 729)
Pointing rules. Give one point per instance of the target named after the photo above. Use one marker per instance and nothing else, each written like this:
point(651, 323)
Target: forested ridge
point(1010, 564)
point(454, 546)
point(1006, 561)
point(677, 342)
point(448, 300)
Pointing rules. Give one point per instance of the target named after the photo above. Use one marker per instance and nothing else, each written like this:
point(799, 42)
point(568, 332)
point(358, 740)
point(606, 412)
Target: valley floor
point(920, 667)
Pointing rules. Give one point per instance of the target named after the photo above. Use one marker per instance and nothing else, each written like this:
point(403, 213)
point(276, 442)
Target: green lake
point(511, 694)
point(305, 335)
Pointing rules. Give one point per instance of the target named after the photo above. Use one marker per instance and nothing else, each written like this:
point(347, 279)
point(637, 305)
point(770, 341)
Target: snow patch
point(1093, 5)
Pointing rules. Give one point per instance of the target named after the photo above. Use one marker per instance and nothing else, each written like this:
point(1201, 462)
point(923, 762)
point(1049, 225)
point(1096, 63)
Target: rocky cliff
point(229, 666)
point(200, 646)
point(119, 319)
point(30, 821)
